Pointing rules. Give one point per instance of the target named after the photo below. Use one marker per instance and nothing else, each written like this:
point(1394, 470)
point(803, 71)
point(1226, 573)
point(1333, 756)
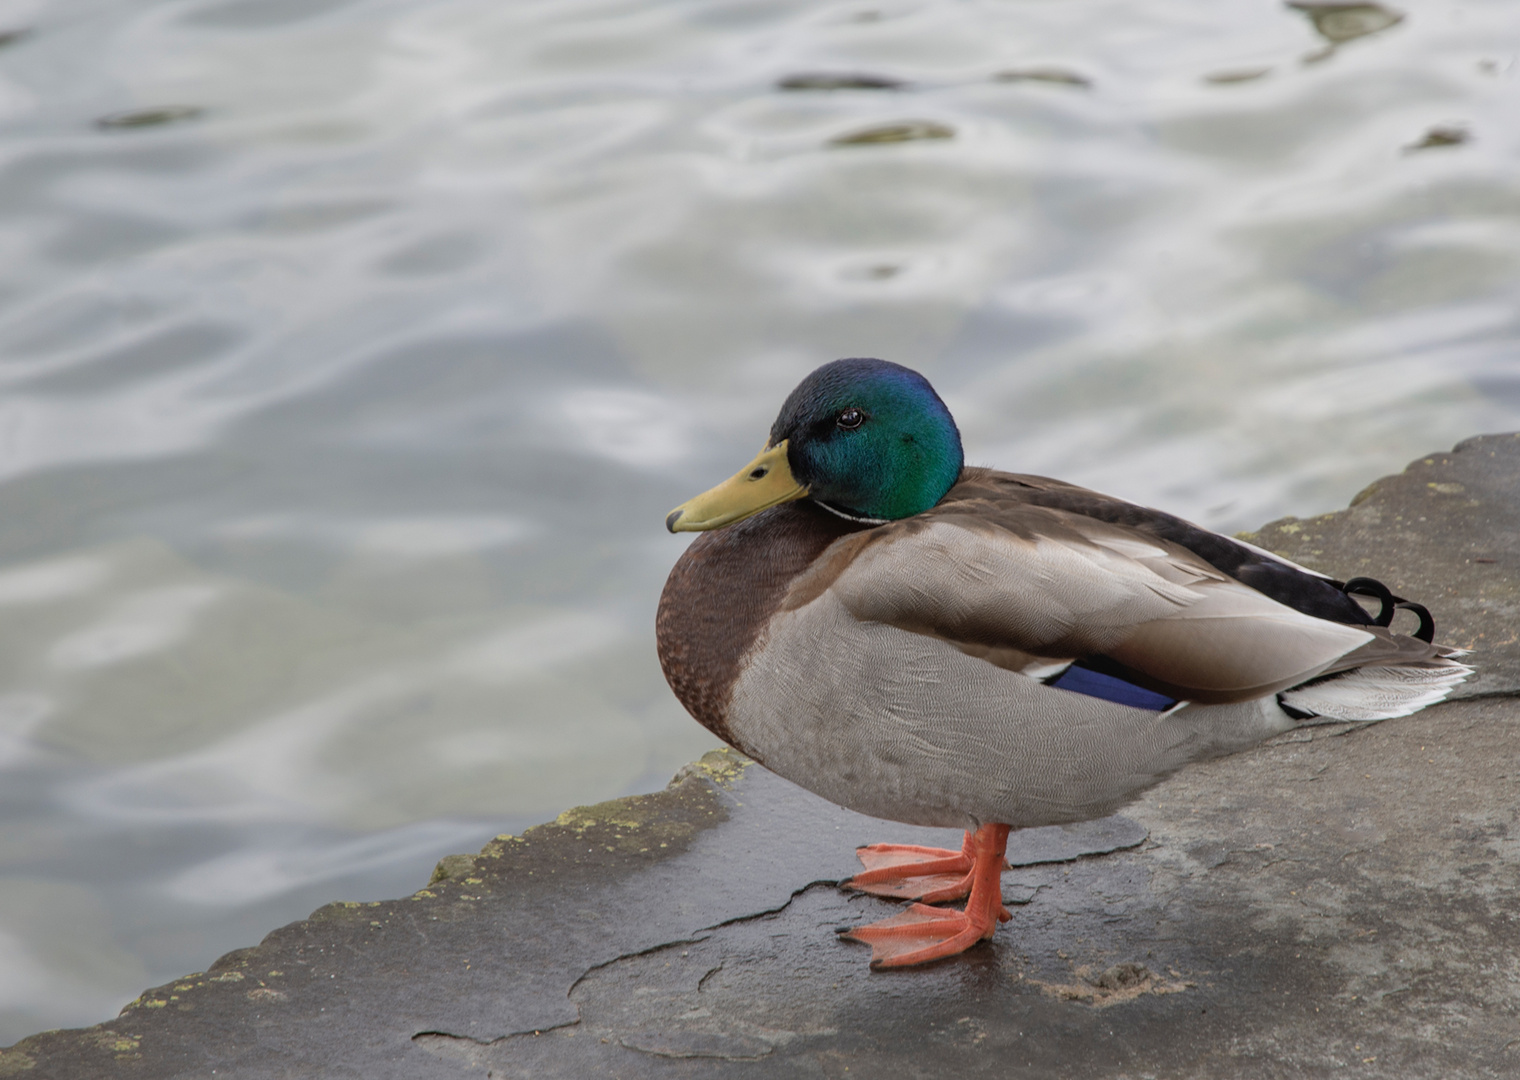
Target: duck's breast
point(723, 592)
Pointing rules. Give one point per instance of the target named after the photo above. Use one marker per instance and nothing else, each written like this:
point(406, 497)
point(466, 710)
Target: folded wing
point(1029, 587)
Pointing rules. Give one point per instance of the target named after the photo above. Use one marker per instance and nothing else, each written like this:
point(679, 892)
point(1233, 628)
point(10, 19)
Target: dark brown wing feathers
point(1293, 588)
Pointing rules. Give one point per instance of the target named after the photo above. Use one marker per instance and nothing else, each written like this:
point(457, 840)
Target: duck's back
point(1284, 582)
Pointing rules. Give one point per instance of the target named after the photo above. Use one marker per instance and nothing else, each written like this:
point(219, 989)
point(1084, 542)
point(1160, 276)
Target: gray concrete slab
point(1342, 901)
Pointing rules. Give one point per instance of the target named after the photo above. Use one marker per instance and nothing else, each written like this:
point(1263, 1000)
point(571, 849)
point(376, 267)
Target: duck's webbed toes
point(920, 934)
point(912, 872)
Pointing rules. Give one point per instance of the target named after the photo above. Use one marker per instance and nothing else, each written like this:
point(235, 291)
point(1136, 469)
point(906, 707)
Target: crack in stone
point(423, 1036)
point(736, 1045)
point(635, 954)
point(700, 935)
point(1485, 695)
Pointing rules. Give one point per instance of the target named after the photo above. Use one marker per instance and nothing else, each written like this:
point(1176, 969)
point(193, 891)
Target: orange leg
point(923, 933)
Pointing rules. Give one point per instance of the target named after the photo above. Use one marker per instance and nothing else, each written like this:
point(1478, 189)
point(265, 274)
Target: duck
point(943, 645)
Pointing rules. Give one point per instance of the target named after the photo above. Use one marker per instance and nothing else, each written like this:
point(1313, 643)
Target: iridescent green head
point(866, 438)
point(870, 439)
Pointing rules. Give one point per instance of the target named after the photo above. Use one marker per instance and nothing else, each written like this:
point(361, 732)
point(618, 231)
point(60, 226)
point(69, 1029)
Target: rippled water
point(352, 354)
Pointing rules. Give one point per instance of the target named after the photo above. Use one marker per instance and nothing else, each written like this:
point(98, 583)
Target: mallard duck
point(951, 646)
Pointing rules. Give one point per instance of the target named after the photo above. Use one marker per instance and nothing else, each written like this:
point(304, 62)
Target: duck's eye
point(851, 419)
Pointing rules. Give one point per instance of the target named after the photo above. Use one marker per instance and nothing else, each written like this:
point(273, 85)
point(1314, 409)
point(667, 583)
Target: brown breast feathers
point(721, 593)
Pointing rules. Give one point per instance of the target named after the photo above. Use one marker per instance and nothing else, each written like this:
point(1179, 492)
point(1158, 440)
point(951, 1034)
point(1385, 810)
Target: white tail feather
point(1379, 692)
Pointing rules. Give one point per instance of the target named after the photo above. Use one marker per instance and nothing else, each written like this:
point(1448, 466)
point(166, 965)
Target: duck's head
point(867, 439)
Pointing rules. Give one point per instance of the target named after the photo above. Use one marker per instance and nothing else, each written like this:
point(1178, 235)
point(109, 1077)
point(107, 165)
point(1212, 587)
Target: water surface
point(352, 353)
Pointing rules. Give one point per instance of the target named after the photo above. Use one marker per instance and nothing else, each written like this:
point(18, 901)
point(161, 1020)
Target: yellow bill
point(760, 485)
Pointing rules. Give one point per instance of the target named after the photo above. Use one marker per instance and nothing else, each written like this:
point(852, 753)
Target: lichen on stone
point(452, 867)
point(15, 1062)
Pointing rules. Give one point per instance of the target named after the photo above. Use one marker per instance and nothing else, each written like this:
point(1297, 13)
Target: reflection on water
point(1337, 21)
point(1440, 135)
point(351, 354)
point(903, 131)
point(135, 118)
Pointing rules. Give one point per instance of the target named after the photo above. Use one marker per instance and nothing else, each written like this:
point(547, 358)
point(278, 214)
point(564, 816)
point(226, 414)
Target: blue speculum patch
point(1081, 680)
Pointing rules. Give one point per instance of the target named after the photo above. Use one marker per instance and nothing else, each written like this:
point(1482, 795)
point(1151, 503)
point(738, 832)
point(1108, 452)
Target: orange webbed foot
point(922, 933)
point(918, 935)
point(911, 872)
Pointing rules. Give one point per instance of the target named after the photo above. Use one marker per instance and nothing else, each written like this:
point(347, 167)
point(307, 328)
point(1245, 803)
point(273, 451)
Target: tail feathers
point(1378, 691)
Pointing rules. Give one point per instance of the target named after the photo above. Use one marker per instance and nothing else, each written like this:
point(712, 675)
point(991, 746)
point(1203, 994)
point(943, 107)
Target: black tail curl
point(1389, 605)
